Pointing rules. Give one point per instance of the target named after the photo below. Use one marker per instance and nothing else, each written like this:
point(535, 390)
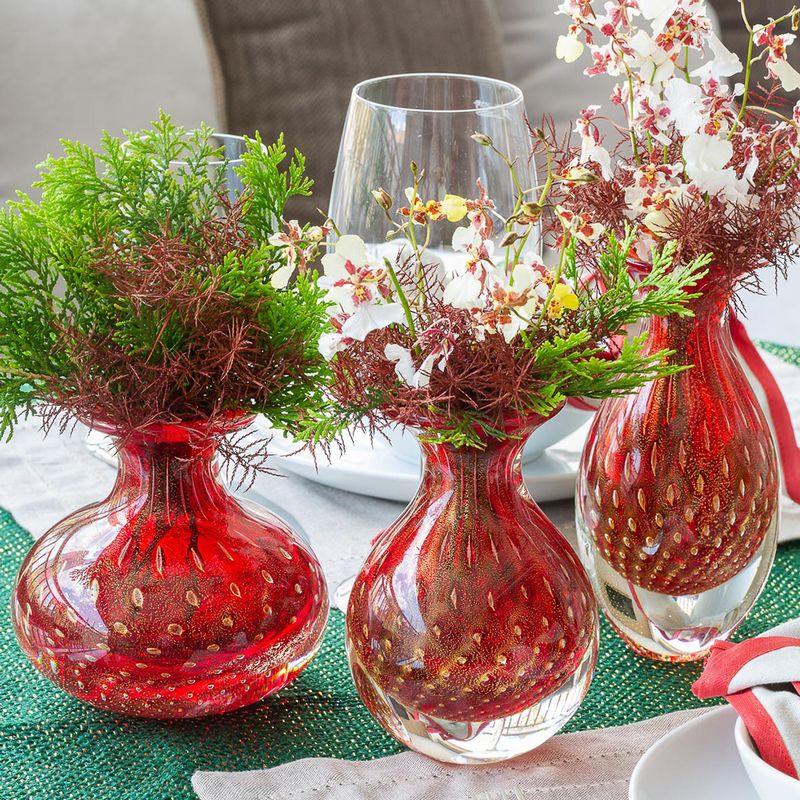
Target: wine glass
point(428, 119)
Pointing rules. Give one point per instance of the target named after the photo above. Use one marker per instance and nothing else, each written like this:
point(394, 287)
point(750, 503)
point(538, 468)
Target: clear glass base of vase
point(341, 594)
point(478, 742)
point(674, 628)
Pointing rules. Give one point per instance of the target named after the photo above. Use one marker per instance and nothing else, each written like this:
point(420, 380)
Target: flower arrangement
point(707, 168)
point(711, 168)
point(148, 293)
point(456, 344)
point(475, 345)
point(138, 291)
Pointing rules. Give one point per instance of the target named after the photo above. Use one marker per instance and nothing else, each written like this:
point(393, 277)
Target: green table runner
point(782, 351)
point(53, 747)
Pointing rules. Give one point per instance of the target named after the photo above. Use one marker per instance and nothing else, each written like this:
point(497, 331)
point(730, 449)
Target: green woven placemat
point(54, 747)
point(783, 351)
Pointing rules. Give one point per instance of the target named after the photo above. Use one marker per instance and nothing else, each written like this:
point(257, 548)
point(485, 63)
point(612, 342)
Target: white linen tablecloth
point(590, 765)
point(44, 479)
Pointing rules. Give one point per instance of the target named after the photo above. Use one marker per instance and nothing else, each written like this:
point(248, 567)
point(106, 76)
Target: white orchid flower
point(653, 62)
point(369, 317)
point(330, 344)
point(786, 74)
point(466, 238)
point(404, 366)
point(569, 48)
point(705, 153)
point(591, 151)
point(685, 103)
point(463, 291)
point(658, 12)
point(280, 278)
point(724, 63)
point(706, 160)
point(348, 248)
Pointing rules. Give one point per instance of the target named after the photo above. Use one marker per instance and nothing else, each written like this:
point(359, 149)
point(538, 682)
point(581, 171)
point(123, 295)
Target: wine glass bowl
point(429, 120)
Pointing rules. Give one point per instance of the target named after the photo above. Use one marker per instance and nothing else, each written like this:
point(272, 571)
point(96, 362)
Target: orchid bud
point(382, 198)
point(579, 175)
point(414, 168)
point(509, 239)
point(796, 21)
point(530, 210)
point(482, 139)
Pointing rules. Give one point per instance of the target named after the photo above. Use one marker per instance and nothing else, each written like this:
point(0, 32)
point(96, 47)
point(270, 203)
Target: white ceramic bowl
point(568, 420)
point(769, 783)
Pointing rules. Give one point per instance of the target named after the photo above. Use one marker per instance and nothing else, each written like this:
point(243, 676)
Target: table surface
point(53, 746)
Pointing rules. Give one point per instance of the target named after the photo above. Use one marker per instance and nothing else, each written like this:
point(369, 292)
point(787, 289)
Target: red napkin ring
point(760, 678)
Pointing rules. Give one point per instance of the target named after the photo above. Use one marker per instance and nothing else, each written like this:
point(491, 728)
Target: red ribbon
point(722, 667)
point(781, 420)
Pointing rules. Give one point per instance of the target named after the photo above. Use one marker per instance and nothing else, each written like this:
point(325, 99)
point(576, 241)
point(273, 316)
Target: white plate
point(375, 470)
point(697, 761)
point(549, 434)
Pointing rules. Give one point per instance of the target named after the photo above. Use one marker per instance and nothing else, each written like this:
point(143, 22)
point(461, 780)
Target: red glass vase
point(472, 630)
point(677, 497)
point(170, 598)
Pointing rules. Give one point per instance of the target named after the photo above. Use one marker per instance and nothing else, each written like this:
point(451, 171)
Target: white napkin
point(591, 765)
point(760, 678)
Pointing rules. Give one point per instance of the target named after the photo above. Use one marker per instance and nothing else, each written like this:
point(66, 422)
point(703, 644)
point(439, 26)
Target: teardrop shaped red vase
point(677, 498)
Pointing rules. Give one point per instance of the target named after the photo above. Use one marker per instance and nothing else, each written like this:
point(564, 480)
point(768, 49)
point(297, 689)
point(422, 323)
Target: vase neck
point(470, 472)
point(691, 336)
point(175, 469)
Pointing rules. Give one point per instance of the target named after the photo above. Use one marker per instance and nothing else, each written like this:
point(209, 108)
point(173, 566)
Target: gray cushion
point(71, 69)
point(290, 64)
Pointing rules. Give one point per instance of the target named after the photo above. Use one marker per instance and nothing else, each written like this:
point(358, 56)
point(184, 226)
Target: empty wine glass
point(428, 119)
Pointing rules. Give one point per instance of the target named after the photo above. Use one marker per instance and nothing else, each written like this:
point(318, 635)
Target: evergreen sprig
point(138, 288)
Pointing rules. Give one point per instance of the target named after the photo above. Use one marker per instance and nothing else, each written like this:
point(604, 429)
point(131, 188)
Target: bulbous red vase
point(677, 496)
point(170, 598)
point(472, 630)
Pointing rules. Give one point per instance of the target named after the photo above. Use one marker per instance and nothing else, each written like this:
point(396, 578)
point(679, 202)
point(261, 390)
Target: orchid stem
point(747, 74)
point(402, 296)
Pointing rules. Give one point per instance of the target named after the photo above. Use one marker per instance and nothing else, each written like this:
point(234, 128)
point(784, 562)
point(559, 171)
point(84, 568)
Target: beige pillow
point(73, 67)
